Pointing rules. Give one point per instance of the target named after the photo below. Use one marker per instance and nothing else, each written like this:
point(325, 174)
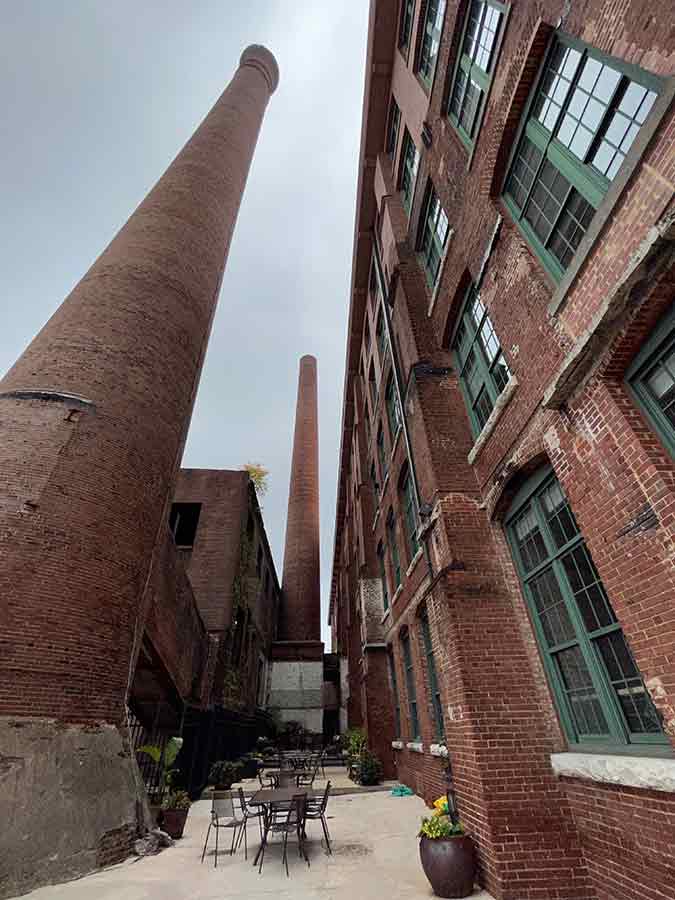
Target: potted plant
point(175, 808)
point(368, 768)
point(447, 853)
point(224, 773)
point(164, 757)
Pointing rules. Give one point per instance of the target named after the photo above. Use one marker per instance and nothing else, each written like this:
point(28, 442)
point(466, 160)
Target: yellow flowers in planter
point(440, 807)
point(439, 824)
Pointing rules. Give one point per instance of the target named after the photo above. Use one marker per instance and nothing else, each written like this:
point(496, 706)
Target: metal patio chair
point(248, 812)
point(315, 808)
point(285, 818)
point(307, 780)
point(222, 816)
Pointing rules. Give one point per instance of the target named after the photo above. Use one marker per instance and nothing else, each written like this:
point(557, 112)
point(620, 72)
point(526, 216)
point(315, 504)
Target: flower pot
point(174, 822)
point(449, 864)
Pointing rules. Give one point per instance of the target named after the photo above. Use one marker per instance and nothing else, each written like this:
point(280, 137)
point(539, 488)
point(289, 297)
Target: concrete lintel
point(631, 771)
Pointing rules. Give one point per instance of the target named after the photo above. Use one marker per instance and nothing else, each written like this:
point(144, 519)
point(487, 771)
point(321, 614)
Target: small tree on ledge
point(258, 475)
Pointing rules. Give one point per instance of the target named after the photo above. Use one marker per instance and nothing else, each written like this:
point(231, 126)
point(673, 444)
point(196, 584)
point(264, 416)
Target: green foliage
point(436, 827)
point(176, 800)
point(258, 475)
point(165, 758)
point(367, 768)
point(355, 741)
point(225, 773)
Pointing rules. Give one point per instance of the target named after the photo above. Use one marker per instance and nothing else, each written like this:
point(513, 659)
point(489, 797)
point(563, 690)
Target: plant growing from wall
point(258, 475)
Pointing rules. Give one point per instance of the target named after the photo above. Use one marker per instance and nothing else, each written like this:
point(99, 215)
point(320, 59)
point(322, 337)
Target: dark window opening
point(183, 521)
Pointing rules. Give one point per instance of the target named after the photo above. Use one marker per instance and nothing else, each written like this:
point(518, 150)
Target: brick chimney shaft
point(94, 418)
point(301, 611)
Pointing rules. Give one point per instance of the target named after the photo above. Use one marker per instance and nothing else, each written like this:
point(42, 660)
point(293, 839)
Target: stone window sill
point(376, 519)
point(386, 482)
point(644, 772)
point(387, 615)
point(415, 746)
point(439, 277)
point(439, 750)
point(413, 563)
point(502, 402)
point(397, 438)
point(397, 745)
point(397, 594)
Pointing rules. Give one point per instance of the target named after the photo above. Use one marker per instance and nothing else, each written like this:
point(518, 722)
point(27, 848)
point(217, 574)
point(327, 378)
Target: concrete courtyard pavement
point(375, 856)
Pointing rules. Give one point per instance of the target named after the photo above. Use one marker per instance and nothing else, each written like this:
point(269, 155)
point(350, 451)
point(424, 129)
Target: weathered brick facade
point(568, 340)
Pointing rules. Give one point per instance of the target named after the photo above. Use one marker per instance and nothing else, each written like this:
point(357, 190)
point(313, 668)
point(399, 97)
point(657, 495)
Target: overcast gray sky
point(96, 99)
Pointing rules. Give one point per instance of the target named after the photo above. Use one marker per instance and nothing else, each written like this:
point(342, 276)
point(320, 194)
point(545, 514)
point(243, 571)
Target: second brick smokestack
point(301, 611)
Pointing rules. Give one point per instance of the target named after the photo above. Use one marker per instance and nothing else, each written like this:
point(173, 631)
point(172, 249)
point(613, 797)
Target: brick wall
point(537, 837)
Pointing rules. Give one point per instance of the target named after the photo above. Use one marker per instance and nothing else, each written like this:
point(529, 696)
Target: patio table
point(275, 773)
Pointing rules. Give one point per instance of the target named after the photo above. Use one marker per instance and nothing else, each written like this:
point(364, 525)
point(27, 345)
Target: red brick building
point(503, 575)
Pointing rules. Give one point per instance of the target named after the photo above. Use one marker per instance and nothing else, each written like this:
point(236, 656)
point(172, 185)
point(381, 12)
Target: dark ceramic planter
point(174, 822)
point(449, 864)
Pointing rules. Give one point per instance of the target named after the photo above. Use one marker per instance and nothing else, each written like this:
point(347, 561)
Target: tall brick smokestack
point(301, 616)
point(93, 419)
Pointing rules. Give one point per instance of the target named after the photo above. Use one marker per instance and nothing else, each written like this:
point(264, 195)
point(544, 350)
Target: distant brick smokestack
point(94, 417)
point(301, 616)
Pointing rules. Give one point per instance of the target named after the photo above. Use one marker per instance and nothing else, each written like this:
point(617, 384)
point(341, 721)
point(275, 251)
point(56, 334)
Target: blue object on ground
point(400, 790)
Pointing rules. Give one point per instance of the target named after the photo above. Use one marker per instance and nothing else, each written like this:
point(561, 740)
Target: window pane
point(588, 590)
point(641, 716)
point(660, 381)
point(458, 92)
point(483, 407)
point(571, 227)
point(556, 83)
point(559, 516)
point(407, 11)
point(622, 128)
point(551, 609)
point(523, 172)
point(546, 201)
point(530, 542)
point(470, 107)
point(588, 104)
point(589, 719)
point(500, 373)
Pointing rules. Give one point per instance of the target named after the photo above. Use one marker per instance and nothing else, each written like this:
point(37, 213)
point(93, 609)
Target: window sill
point(438, 750)
point(413, 563)
point(387, 615)
point(386, 482)
point(647, 773)
point(415, 746)
point(397, 594)
point(397, 745)
point(376, 519)
point(502, 402)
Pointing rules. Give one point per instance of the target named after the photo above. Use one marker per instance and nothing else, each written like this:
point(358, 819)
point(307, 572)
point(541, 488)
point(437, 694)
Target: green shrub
point(355, 741)
point(224, 773)
point(176, 800)
point(367, 768)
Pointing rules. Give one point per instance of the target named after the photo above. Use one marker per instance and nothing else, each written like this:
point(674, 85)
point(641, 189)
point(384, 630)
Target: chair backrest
point(243, 805)
point(287, 779)
point(222, 807)
point(324, 801)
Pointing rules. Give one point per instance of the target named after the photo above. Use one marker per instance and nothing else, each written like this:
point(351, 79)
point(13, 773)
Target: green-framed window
point(405, 25)
point(598, 689)
point(581, 121)
point(651, 377)
point(394, 689)
point(410, 686)
point(410, 160)
point(381, 334)
point(431, 40)
point(433, 235)
point(434, 689)
point(483, 371)
point(393, 549)
point(381, 453)
point(409, 513)
point(393, 125)
point(475, 67)
point(374, 482)
point(393, 408)
point(381, 552)
point(373, 386)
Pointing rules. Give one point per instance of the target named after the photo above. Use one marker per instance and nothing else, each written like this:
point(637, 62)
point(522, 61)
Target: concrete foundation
point(70, 801)
point(296, 693)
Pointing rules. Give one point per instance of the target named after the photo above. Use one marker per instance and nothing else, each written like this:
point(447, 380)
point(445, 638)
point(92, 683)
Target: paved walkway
point(375, 857)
